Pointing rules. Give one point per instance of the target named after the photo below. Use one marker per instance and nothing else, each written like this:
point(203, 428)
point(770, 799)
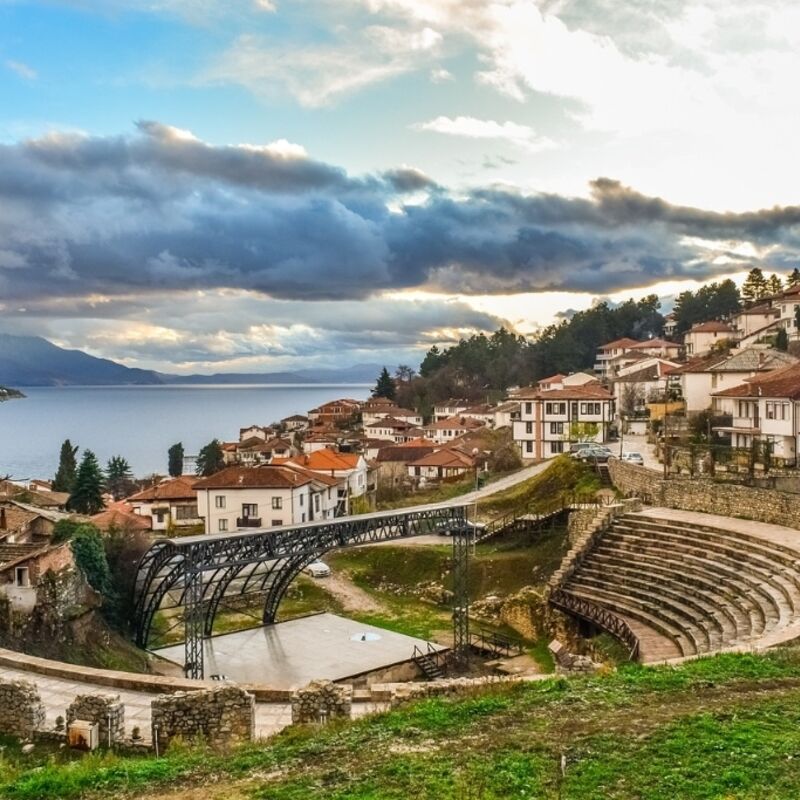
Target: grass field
point(724, 727)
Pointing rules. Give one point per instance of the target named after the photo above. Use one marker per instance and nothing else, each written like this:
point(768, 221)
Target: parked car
point(318, 569)
point(633, 458)
point(596, 454)
point(473, 528)
point(576, 448)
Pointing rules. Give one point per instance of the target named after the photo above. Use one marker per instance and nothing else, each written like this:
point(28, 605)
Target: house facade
point(335, 412)
point(450, 408)
point(445, 464)
point(550, 421)
point(613, 351)
point(238, 498)
point(702, 338)
point(350, 471)
point(171, 503)
point(447, 430)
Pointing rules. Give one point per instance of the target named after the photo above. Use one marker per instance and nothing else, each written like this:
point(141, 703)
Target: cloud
point(473, 128)
point(163, 211)
point(22, 70)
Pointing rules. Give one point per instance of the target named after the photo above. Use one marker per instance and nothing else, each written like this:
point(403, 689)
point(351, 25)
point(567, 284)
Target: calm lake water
point(141, 422)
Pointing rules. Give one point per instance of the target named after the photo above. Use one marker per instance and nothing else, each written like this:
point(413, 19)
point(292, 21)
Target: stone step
point(749, 616)
point(771, 574)
point(620, 606)
point(712, 607)
point(705, 632)
point(725, 541)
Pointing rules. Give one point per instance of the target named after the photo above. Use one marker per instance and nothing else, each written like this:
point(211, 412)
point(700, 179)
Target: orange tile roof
point(617, 343)
point(268, 476)
point(782, 383)
point(588, 391)
point(181, 488)
point(327, 460)
point(653, 343)
point(445, 458)
point(120, 518)
point(712, 326)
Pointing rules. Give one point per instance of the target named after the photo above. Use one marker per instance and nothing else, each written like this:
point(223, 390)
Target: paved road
point(639, 444)
point(504, 483)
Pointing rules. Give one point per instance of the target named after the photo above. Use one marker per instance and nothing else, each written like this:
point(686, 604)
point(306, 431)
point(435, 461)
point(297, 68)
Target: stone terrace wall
point(707, 496)
point(222, 716)
point(105, 710)
point(21, 709)
point(321, 700)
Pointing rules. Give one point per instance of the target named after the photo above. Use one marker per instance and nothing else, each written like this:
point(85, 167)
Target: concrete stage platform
point(290, 654)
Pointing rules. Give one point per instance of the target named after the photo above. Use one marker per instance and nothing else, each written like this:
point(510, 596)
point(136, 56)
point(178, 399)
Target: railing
point(430, 654)
point(248, 522)
point(597, 615)
point(499, 644)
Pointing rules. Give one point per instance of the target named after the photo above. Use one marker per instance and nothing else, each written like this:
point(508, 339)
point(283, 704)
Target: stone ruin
point(321, 701)
point(21, 709)
point(221, 716)
point(569, 663)
point(104, 709)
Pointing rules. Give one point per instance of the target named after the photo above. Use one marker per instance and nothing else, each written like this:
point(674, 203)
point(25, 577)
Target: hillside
point(723, 727)
point(34, 361)
point(9, 394)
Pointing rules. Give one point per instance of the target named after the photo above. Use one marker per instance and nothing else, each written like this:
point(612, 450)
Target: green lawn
point(718, 728)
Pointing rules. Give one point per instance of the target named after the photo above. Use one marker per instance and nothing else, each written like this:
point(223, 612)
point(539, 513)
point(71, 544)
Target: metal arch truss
point(190, 578)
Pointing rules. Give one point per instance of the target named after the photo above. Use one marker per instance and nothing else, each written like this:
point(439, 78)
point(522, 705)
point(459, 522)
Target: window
point(316, 502)
point(528, 427)
point(302, 500)
point(548, 408)
point(557, 428)
point(276, 523)
point(222, 525)
point(219, 501)
point(529, 447)
point(186, 512)
point(249, 510)
point(556, 447)
point(277, 503)
point(590, 408)
point(529, 408)
point(22, 576)
point(303, 517)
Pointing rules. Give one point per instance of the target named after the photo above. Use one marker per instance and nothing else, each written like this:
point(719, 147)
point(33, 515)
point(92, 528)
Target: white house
point(641, 383)
point(373, 415)
point(483, 413)
point(255, 432)
point(701, 338)
point(615, 350)
point(390, 429)
point(450, 408)
point(444, 464)
point(505, 414)
point(169, 503)
point(550, 421)
point(660, 348)
point(765, 408)
point(264, 497)
point(754, 320)
point(297, 422)
point(449, 429)
point(350, 469)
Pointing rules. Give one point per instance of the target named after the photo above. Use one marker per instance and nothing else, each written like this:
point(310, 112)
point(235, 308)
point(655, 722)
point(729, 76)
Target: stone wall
point(707, 496)
point(321, 701)
point(404, 692)
point(222, 716)
point(21, 709)
point(104, 709)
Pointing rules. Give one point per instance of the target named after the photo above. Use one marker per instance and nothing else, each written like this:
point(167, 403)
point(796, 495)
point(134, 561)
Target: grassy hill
point(722, 727)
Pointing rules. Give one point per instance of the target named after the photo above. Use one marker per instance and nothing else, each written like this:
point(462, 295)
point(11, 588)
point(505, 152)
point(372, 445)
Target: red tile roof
point(175, 489)
point(712, 326)
point(268, 476)
point(452, 459)
point(116, 517)
point(589, 391)
point(781, 383)
point(451, 423)
point(653, 343)
point(327, 460)
point(617, 343)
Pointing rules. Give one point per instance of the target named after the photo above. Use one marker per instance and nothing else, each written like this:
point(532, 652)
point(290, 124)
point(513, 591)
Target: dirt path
point(349, 595)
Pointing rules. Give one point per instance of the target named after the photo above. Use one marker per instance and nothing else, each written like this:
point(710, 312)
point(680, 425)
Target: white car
point(633, 458)
point(318, 569)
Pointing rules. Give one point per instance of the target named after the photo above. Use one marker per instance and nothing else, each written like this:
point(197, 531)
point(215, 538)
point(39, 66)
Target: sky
point(259, 185)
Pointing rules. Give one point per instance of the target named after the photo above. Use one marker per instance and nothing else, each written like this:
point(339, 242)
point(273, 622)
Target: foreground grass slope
point(722, 727)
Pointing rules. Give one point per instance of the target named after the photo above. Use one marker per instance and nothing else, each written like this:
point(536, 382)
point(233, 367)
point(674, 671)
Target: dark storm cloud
point(162, 211)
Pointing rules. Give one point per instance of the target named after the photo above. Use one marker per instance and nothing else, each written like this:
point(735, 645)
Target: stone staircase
point(687, 588)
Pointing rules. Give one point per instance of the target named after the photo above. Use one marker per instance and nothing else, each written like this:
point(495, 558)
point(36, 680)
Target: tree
point(755, 286)
point(404, 373)
point(65, 476)
point(632, 398)
point(119, 478)
point(175, 460)
point(87, 495)
point(385, 387)
point(711, 301)
point(782, 340)
point(775, 284)
point(210, 459)
point(793, 279)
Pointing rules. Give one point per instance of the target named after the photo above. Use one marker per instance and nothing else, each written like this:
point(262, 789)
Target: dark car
point(595, 455)
point(449, 528)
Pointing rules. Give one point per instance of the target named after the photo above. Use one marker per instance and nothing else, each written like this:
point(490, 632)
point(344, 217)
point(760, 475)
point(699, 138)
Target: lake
point(141, 422)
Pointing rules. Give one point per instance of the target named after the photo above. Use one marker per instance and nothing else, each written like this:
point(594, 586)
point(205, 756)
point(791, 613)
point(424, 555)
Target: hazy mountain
point(33, 361)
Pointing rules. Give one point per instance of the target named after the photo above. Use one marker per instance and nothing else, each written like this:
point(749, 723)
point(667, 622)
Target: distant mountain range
point(33, 361)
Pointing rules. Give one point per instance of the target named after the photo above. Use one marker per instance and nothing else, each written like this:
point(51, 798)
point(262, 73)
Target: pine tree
point(87, 495)
point(755, 286)
point(65, 476)
point(210, 459)
point(175, 460)
point(119, 478)
point(793, 278)
point(385, 387)
point(775, 284)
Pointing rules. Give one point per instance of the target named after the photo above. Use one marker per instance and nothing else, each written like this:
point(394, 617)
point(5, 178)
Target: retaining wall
point(104, 709)
point(21, 709)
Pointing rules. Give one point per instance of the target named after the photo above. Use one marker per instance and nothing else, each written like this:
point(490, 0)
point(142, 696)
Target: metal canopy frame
point(199, 572)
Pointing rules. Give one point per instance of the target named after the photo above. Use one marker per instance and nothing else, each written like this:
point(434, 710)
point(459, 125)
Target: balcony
point(248, 522)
